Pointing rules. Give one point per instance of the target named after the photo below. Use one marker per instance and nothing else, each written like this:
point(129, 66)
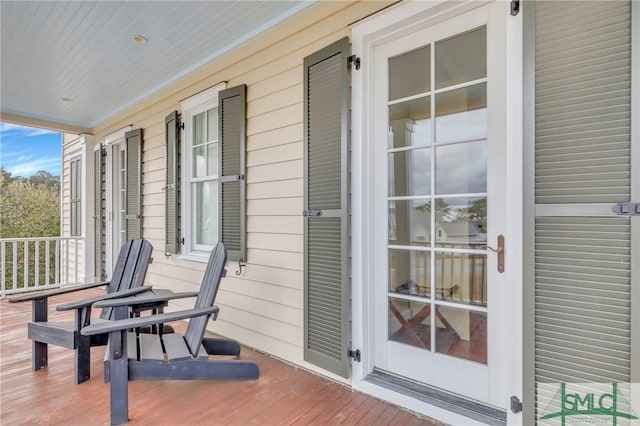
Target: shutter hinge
point(354, 355)
point(516, 404)
point(354, 60)
point(308, 213)
point(181, 125)
point(515, 7)
point(627, 209)
point(180, 240)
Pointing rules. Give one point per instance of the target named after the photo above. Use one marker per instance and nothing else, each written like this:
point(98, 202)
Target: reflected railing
point(30, 264)
point(459, 277)
point(462, 277)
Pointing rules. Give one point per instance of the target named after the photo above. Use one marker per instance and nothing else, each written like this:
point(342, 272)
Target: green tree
point(5, 177)
point(29, 208)
point(443, 210)
point(43, 178)
point(475, 213)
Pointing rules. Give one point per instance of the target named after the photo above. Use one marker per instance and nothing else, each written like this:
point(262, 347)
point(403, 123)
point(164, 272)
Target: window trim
point(190, 107)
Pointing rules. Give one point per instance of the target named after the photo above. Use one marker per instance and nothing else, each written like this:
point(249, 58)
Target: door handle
point(500, 252)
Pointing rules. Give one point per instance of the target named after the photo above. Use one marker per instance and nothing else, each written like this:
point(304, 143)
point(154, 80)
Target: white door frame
point(111, 142)
point(397, 21)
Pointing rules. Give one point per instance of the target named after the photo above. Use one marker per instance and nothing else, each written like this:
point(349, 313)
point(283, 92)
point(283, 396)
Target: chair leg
point(83, 358)
point(39, 356)
point(119, 377)
point(39, 350)
point(215, 346)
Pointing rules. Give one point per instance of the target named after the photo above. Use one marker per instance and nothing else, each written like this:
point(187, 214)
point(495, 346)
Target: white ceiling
point(83, 50)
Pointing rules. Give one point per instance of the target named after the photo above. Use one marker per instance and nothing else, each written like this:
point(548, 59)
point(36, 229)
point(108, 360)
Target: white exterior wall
point(262, 308)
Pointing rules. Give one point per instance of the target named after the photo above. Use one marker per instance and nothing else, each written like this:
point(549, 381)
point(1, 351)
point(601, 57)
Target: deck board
point(283, 395)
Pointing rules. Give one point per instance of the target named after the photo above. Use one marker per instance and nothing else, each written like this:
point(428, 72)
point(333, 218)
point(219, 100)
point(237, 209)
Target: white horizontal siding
point(275, 189)
point(275, 137)
point(275, 171)
point(275, 155)
point(263, 307)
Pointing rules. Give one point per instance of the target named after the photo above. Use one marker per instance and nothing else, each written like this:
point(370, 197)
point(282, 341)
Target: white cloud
point(15, 130)
point(30, 167)
point(26, 150)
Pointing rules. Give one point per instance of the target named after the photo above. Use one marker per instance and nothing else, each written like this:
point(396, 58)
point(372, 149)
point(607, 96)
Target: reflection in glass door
point(437, 197)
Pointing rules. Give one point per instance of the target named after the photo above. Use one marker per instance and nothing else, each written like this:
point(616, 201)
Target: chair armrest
point(84, 303)
point(58, 291)
point(126, 324)
point(151, 297)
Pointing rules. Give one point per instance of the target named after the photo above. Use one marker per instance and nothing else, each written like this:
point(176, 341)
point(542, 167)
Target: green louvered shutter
point(133, 184)
point(99, 225)
point(232, 201)
point(172, 142)
point(586, 264)
point(75, 189)
point(326, 204)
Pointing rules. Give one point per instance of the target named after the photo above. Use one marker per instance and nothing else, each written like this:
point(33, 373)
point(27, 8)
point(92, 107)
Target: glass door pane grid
point(432, 258)
point(431, 198)
point(460, 86)
point(438, 302)
point(478, 138)
point(430, 249)
point(410, 98)
point(437, 91)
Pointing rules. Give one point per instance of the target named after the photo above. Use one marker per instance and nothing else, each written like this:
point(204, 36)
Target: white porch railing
point(29, 264)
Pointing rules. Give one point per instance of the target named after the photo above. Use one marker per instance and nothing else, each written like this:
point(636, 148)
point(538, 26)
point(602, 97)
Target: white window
point(200, 173)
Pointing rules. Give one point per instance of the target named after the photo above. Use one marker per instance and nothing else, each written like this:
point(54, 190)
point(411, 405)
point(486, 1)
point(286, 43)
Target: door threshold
point(437, 397)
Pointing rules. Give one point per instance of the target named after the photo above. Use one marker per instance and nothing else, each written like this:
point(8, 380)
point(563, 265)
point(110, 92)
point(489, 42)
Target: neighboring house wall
point(263, 307)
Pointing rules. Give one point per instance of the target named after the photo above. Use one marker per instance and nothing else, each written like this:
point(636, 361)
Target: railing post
point(77, 245)
point(66, 263)
point(25, 278)
point(47, 254)
point(3, 283)
point(37, 263)
point(57, 264)
point(15, 265)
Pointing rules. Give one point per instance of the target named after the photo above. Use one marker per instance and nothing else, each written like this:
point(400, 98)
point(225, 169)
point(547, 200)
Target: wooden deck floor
point(283, 395)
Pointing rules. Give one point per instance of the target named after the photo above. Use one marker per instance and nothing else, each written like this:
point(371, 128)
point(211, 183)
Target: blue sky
point(25, 150)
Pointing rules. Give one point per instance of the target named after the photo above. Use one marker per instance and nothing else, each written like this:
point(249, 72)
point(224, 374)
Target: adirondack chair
point(184, 357)
point(128, 276)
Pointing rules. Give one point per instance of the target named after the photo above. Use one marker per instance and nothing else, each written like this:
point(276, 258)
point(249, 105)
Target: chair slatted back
point(130, 270)
point(206, 297)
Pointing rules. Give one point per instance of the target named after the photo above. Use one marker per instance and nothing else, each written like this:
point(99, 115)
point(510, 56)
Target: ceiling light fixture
point(138, 39)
